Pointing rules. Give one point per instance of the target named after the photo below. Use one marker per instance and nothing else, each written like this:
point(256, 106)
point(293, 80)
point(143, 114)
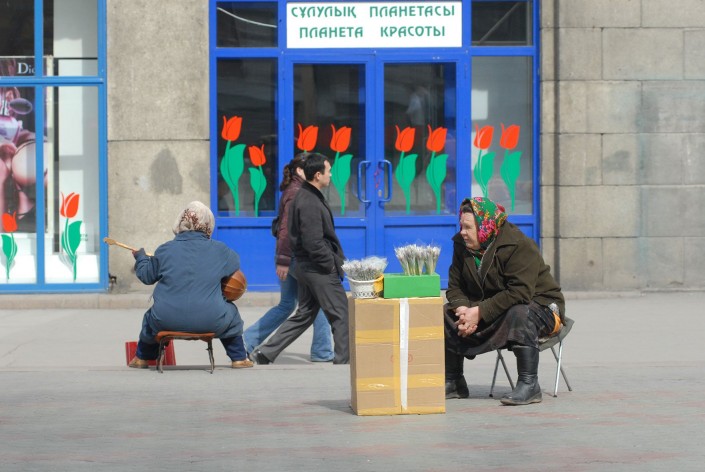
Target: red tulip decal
point(340, 170)
point(483, 137)
point(257, 155)
point(307, 138)
point(9, 246)
point(257, 180)
point(233, 162)
point(341, 138)
point(405, 139)
point(436, 170)
point(511, 166)
point(69, 205)
point(406, 169)
point(71, 236)
point(9, 222)
point(510, 137)
point(231, 128)
point(485, 162)
point(436, 139)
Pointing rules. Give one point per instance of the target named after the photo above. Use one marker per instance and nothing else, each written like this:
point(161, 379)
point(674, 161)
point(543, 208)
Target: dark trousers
point(316, 291)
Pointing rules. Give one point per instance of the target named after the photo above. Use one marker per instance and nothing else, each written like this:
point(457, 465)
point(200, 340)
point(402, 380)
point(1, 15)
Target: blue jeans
point(321, 345)
point(148, 348)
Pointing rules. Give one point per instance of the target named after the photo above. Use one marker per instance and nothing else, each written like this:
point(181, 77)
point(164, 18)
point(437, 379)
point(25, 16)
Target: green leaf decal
point(258, 183)
point(231, 168)
point(9, 248)
point(510, 170)
point(340, 174)
point(74, 238)
point(483, 171)
point(405, 173)
point(436, 174)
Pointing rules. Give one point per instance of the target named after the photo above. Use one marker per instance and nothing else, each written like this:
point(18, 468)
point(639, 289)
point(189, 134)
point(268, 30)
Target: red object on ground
point(169, 356)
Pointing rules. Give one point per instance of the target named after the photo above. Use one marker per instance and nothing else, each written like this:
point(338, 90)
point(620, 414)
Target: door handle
point(385, 163)
point(359, 181)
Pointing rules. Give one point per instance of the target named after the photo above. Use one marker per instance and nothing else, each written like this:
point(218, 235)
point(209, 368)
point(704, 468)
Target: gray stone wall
point(623, 130)
point(158, 148)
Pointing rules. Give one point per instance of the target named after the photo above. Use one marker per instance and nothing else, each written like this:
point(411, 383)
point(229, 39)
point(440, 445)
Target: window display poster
point(17, 146)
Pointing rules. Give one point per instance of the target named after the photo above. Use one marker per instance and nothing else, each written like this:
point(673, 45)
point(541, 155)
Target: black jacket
point(512, 272)
point(312, 232)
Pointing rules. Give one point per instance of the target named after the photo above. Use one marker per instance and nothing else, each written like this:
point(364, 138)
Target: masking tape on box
point(370, 384)
point(404, 350)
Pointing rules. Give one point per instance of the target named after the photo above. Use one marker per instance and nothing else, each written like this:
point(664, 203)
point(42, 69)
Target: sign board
point(374, 25)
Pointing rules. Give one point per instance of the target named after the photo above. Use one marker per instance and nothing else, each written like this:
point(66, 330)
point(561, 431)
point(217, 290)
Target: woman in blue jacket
point(188, 296)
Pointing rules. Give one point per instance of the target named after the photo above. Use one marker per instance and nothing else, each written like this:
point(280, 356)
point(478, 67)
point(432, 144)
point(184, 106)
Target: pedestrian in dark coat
point(319, 260)
point(188, 271)
point(500, 295)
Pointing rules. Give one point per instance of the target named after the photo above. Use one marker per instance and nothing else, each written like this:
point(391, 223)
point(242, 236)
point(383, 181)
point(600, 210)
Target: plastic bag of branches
point(369, 268)
point(415, 259)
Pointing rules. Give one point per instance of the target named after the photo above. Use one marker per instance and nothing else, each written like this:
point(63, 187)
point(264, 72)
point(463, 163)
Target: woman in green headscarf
point(500, 295)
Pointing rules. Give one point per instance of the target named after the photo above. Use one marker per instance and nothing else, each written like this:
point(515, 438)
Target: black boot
point(457, 388)
point(527, 389)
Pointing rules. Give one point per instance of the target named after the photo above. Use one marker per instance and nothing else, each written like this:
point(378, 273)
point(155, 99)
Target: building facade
point(582, 118)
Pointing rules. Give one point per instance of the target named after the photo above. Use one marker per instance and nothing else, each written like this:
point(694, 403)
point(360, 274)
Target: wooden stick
point(111, 241)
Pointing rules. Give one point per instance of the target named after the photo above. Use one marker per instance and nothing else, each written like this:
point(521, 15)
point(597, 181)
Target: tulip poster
point(71, 235)
point(511, 165)
point(406, 169)
point(9, 246)
point(232, 165)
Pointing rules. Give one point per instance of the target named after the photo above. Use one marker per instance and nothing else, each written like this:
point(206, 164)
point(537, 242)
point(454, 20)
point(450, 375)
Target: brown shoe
point(137, 363)
point(243, 364)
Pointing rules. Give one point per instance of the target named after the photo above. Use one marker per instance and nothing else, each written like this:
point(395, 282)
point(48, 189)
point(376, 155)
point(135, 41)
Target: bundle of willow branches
point(369, 268)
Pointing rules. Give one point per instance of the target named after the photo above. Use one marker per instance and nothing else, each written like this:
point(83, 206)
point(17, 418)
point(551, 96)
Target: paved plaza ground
point(68, 403)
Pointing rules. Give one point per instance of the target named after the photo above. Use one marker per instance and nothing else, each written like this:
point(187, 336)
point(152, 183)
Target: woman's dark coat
point(512, 272)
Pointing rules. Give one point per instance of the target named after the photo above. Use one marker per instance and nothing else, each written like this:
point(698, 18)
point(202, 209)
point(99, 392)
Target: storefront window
point(328, 107)
point(72, 185)
point(17, 29)
point(246, 24)
point(71, 37)
point(247, 144)
point(420, 137)
point(502, 23)
point(502, 135)
point(51, 218)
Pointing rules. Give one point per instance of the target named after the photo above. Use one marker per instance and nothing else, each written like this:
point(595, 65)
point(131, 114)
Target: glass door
point(390, 129)
point(417, 199)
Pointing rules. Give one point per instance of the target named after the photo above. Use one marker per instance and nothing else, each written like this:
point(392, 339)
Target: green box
point(410, 286)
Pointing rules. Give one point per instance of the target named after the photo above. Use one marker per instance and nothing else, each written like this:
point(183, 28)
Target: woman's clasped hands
point(468, 319)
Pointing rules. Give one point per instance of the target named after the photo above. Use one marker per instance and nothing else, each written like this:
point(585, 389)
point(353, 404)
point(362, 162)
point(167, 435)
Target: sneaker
point(257, 357)
point(137, 363)
point(316, 359)
point(243, 364)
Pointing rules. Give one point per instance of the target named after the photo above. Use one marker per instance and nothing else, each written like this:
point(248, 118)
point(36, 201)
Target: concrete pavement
point(68, 403)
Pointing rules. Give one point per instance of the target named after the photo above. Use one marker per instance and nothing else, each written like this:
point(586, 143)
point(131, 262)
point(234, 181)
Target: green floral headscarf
point(489, 217)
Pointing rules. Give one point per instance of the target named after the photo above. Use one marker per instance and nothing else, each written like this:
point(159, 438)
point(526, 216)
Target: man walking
point(318, 270)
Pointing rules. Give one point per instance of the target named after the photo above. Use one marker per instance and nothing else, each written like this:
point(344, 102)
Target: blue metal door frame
point(39, 82)
point(374, 60)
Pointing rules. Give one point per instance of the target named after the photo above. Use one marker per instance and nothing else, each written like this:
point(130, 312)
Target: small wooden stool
point(163, 338)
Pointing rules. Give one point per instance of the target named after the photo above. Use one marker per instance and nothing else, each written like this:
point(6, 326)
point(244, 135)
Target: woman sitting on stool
point(500, 295)
point(188, 297)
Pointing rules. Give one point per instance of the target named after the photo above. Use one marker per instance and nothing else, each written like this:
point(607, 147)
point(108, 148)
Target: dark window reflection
point(247, 88)
point(501, 23)
point(248, 24)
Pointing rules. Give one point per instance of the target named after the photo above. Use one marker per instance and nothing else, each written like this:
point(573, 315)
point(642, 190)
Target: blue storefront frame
point(250, 235)
point(39, 82)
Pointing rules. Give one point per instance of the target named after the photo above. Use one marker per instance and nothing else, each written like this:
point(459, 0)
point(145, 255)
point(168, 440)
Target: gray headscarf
point(195, 217)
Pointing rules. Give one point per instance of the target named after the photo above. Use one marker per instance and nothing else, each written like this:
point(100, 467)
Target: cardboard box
point(403, 286)
point(397, 363)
